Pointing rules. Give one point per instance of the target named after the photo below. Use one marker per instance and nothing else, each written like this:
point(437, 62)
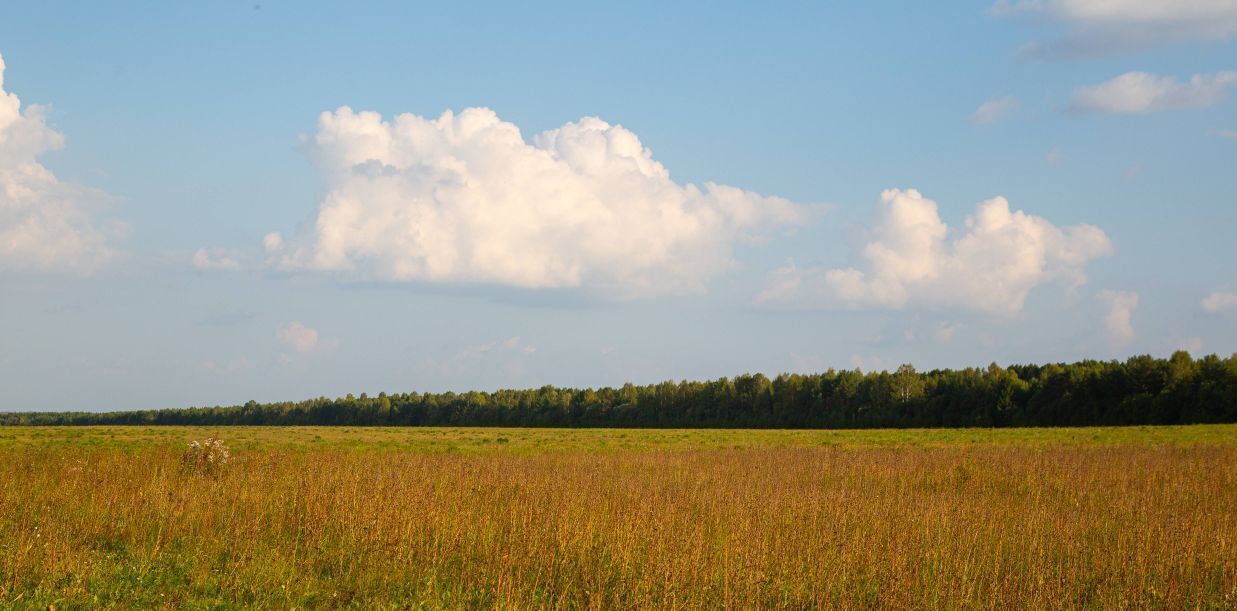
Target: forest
point(1140, 390)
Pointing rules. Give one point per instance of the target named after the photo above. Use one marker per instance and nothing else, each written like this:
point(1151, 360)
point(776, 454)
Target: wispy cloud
point(1141, 92)
point(1220, 301)
point(994, 110)
point(508, 357)
point(1118, 316)
point(215, 259)
point(1107, 27)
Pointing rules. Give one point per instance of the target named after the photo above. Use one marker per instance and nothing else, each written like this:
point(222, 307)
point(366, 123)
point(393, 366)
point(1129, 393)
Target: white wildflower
point(207, 458)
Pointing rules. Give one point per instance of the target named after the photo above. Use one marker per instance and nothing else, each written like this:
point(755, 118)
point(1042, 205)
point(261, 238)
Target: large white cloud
point(1137, 92)
point(912, 258)
point(45, 224)
point(1104, 27)
point(464, 198)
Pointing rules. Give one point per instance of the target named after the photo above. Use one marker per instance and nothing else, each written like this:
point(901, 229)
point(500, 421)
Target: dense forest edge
point(1140, 390)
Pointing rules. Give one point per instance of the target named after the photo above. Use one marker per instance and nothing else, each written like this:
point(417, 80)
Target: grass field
point(530, 518)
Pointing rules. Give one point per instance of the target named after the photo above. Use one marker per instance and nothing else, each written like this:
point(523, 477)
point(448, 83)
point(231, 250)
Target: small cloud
point(1143, 92)
point(940, 332)
point(272, 242)
point(1220, 301)
point(303, 339)
point(1117, 320)
point(1132, 172)
point(215, 259)
point(1054, 157)
point(1231, 134)
point(994, 109)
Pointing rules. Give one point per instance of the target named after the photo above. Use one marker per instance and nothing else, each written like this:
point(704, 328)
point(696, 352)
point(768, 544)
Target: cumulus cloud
point(215, 259)
point(1141, 92)
point(995, 109)
point(45, 224)
point(1106, 27)
point(1220, 301)
point(464, 198)
point(912, 259)
point(298, 336)
point(1117, 318)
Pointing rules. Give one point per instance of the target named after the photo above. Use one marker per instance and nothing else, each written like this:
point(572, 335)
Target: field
point(1132, 517)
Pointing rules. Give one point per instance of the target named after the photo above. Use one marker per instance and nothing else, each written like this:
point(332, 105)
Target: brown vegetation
point(893, 527)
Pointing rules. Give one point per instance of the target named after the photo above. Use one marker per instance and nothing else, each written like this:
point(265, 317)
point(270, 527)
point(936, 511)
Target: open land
point(604, 518)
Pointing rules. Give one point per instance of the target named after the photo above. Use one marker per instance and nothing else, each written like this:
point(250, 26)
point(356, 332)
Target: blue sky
point(206, 203)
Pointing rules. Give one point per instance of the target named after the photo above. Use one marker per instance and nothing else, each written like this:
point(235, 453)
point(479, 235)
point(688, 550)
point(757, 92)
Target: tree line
point(1140, 390)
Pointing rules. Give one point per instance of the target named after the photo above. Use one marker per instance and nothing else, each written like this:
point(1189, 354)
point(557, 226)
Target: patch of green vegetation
point(469, 440)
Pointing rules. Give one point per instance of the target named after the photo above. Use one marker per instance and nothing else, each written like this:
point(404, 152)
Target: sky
point(207, 203)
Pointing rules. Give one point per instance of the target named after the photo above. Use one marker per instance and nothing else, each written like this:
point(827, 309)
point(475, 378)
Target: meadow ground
point(1132, 517)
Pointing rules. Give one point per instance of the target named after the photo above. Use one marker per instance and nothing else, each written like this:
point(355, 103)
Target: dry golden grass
point(1128, 525)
